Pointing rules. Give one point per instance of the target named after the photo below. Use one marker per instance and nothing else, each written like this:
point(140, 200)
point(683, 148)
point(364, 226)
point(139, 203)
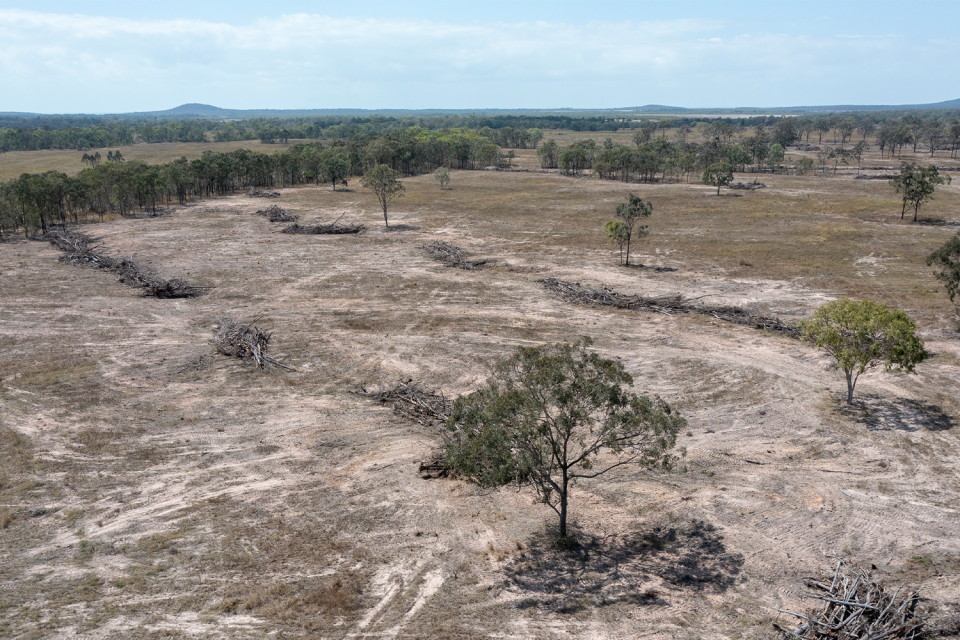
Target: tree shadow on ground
point(402, 227)
point(899, 414)
point(649, 267)
point(606, 570)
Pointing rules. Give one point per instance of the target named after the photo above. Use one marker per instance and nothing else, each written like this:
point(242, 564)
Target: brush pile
point(413, 402)
point(79, 251)
point(747, 186)
point(669, 305)
point(277, 214)
point(877, 176)
point(451, 255)
point(244, 341)
point(262, 193)
point(321, 229)
point(857, 606)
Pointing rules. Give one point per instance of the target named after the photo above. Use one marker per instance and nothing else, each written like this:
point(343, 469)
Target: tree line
point(892, 130)
point(35, 202)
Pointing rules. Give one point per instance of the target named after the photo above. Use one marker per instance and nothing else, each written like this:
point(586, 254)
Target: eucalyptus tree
point(861, 334)
point(719, 174)
point(629, 213)
point(382, 181)
point(553, 415)
point(947, 261)
point(917, 185)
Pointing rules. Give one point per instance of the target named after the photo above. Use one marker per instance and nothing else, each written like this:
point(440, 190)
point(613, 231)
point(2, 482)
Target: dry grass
point(187, 495)
point(13, 163)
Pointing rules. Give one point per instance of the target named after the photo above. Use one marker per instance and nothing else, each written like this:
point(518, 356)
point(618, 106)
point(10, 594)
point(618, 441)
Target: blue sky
point(97, 57)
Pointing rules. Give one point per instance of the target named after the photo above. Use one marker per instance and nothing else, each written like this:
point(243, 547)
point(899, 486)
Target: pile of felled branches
point(451, 255)
point(669, 305)
point(262, 193)
point(277, 214)
point(77, 247)
point(413, 402)
point(877, 176)
point(747, 186)
point(244, 341)
point(857, 606)
point(330, 229)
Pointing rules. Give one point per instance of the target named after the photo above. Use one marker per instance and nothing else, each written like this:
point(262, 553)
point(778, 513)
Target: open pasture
point(152, 488)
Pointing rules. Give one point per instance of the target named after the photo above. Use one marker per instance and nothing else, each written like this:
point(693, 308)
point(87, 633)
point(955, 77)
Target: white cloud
point(52, 62)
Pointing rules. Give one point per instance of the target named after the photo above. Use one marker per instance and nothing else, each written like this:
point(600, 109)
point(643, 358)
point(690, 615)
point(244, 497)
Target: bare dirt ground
point(152, 488)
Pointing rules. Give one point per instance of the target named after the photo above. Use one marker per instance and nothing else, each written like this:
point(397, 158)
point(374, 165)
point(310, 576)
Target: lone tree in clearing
point(554, 414)
point(616, 233)
point(719, 174)
point(442, 175)
point(947, 260)
point(861, 334)
point(622, 232)
point(382, 180)
point(917, 185)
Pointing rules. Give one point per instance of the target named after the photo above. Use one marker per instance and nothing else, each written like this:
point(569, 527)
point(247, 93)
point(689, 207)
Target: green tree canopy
point(719, 174)
point(861, 334)
point(947, 261)
point(382, 180)
point(616, 233)
point(442, 176)
point(629, 213)
point(917, 185)
point(552, 415)
point(335, 169)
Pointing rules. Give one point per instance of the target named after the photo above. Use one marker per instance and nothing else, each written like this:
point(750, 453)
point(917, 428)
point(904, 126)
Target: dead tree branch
point(669, 305)
point(451, 255)
point(857, 606)
point(244, 341)
point(77, 247)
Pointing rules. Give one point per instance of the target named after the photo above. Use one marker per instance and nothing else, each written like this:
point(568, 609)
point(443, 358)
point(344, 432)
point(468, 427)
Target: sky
point(111, 57)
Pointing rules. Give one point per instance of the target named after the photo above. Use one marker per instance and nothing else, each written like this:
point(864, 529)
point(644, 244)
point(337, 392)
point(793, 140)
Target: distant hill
point(197, 110)
point(206, 110)
point(194, 109)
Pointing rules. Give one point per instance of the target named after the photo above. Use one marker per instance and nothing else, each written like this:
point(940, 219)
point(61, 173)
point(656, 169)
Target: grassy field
point(152, 488)
point(14, 163)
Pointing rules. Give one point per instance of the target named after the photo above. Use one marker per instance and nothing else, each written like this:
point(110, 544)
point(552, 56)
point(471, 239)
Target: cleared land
point(150, 487)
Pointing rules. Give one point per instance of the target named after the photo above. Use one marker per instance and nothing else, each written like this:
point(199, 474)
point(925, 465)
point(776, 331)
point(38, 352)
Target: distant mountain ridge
point(659, 108)
point(198, 110)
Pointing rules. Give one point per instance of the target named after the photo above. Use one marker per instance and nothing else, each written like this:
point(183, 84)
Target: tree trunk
point(385, 221)
point(563, 510)
point(851, 383)
point(628, 251)
point(718, 188)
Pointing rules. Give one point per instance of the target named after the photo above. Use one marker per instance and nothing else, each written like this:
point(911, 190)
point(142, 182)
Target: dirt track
point(271, 487)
